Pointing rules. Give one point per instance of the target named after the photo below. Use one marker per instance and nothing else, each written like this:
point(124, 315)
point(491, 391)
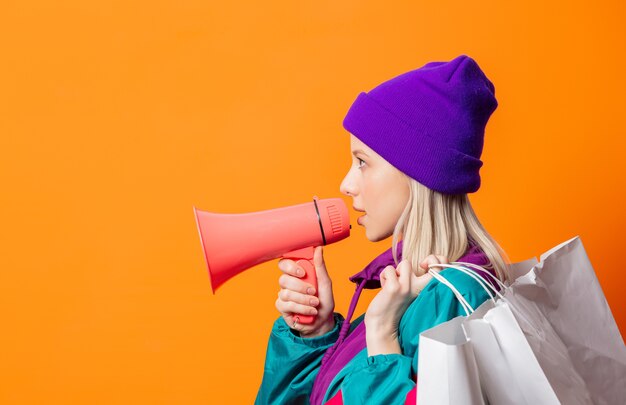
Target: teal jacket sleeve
point(388, 378)
point(292, 363)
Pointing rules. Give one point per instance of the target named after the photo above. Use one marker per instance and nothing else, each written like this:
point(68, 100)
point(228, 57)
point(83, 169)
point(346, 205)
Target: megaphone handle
point(311, 278)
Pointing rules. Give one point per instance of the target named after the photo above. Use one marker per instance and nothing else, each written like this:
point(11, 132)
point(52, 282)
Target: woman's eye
point(360, 160)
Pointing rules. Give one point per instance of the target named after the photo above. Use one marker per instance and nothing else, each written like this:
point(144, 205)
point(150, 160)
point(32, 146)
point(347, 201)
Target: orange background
point(117, 117)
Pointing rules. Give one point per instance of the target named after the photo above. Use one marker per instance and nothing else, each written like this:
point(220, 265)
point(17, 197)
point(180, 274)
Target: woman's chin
point(375, 236)
point(373, 233)
point(368, 234)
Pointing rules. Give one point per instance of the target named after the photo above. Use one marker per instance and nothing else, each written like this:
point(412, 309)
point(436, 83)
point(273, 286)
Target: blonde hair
point(443, 224)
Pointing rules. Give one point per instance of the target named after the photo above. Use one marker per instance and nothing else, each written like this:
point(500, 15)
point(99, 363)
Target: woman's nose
point(347, 188)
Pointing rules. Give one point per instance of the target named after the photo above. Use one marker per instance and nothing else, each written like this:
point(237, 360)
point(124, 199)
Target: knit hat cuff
point(419, 156)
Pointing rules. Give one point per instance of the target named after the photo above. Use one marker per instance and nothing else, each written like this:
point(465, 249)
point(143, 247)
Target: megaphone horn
point(233, 243)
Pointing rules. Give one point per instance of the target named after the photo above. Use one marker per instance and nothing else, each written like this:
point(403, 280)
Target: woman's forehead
point(355, 144)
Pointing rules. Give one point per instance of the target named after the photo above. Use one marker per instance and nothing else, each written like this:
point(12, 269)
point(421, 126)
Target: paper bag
point(525, 364)
point(564, 288)
point(447, 368)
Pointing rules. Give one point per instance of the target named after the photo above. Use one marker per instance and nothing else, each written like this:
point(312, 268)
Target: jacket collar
point(371, 273)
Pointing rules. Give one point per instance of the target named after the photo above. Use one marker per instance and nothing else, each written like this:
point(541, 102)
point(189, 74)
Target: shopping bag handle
point(481, 280)
point(455, 265)
point(494, 278)
point(477, 277)
point(466, 306)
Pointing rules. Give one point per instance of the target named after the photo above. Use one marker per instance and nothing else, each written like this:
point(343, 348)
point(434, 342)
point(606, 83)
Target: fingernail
point(310, 291)
point(313, 301)
point(300, 272)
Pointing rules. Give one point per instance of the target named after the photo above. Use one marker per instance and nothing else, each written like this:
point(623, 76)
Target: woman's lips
point(360, 219)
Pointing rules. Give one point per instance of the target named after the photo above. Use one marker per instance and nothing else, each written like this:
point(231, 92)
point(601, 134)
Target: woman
point(416, 142)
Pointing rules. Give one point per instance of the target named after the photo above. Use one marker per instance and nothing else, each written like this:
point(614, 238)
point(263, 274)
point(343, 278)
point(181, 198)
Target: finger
point(280, 307)
point(304, 299)
point(424, 263)
point(442, 259)
point(324, 283)
point(290, 307)
point(320, 264)
point(430, 259)
point(292, 283)
point(391, 277)
point(290, 267)
point(405, 273)
point(382, 277)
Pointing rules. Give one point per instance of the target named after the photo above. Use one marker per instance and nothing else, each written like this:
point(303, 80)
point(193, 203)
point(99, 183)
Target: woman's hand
point(297, 296)
point(421, 275)
point(400, 286)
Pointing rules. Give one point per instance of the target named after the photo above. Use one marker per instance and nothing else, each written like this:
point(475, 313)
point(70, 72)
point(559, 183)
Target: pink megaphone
point(233, 243)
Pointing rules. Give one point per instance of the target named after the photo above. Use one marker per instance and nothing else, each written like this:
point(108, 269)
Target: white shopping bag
point(563, 287)
point(447, 369)
point(509, 372)
point(511, 368)
point(559, 306)
point(550, 351)
point(533, 352)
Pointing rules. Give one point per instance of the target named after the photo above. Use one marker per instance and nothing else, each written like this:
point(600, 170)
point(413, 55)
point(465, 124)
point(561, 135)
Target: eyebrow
point(354, 152)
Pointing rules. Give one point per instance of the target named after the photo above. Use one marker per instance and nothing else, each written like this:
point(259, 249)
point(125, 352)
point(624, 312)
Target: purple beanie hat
point(429, 123)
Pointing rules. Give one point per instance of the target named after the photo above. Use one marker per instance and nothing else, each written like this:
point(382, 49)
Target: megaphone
point(233, 243)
